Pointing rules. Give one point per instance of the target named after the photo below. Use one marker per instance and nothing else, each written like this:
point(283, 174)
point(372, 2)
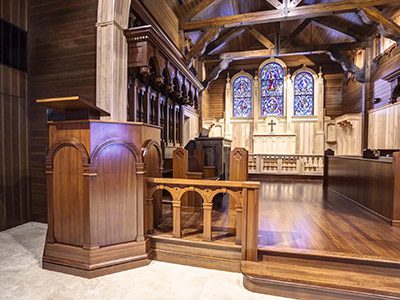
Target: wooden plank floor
point(295, 218)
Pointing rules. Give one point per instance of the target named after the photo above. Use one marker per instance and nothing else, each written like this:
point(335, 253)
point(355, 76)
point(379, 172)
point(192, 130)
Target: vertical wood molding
point(112, 58)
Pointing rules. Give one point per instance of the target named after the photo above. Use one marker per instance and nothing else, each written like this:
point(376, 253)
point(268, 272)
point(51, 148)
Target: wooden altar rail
point(243, 193)
point(286, 164)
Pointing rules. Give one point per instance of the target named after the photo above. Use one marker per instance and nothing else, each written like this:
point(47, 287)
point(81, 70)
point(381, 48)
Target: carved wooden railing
point(286, 164)
point(243, 193)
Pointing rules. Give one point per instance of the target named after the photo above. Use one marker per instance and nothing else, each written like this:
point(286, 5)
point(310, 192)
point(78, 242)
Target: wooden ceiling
point(282, 25)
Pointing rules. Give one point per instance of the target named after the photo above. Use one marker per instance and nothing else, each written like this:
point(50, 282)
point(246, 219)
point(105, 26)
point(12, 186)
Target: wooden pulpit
point(95, 189)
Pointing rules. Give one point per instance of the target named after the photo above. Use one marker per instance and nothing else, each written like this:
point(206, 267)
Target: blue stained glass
point(304, 94)
point(242, 97)
point(272, 90)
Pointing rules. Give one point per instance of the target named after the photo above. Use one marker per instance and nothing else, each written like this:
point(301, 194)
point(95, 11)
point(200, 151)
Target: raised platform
point(209, 255)
point(318, 279)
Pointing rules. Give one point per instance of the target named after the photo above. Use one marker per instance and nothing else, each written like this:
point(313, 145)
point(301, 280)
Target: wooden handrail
point(205, 182)
point(244, 194)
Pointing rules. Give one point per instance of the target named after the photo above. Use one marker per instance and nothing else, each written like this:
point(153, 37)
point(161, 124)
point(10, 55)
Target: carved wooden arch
point(72, 142)
point(207, 195)
point(161, 187)
point(131, 147)
point(236, 195)
point(146, 147)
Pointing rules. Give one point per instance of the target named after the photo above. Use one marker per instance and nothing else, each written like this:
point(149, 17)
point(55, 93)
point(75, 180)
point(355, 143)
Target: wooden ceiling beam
point(225, 38)
point(214, 74)
point(347, 65)
point(334, 24)
point(198, 49)
point(299, 12)
point(263, 53)
point(386, 26)
point(295, 33)
point(261, 38)
point(203, 5)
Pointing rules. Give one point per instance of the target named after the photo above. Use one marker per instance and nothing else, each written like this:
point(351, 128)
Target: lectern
point(95, 181)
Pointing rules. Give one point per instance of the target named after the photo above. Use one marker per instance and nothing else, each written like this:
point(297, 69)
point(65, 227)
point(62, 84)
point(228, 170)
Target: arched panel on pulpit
point(67, 196)
point(115, 188)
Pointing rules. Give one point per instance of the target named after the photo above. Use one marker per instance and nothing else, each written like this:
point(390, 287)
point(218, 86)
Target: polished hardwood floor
point(296, 218)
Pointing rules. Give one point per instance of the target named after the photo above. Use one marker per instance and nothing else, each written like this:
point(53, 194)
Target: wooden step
point(210, 255)
point(329, 256)
point(313, 279)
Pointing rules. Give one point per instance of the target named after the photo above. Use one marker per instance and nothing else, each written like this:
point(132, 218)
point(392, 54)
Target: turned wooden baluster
point(207, 221)
point(176, 218)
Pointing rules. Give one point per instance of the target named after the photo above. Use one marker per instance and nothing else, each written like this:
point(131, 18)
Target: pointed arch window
point(272, 90)
point(242, 94)
point(304, 94)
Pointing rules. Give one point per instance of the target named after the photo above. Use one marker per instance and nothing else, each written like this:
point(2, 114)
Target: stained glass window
point(242, 97)
point(272, 88)
point(304, 94)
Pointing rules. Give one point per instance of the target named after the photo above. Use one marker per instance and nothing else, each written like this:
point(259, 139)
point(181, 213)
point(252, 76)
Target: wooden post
point(207, 221)
point(180, 168)
point(251, 244)
point(147, 106)
point(149, 214)
point(328, 152)
point(176, 219)
point(396, 195)
point(239, 171)
point(239, 225)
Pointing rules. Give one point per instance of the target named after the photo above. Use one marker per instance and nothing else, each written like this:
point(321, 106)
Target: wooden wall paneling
point(62, 51)
point(352, 96)
point(14, 163)
point(166, 18)
point(384, 127)
point(216, 96)
point(333, 94)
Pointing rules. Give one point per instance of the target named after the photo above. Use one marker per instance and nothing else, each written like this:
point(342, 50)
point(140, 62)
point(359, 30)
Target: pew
point(371, 183)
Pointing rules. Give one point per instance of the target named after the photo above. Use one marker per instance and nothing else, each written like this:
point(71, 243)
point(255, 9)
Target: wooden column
point(158, 113)
point(140, 171)
point(396, 196)
point(228, 109)
point(166, 122)
point(174, 120)
point(366, 93)
point(133, 93)
point(147, 105)
point(207, 221)
point(176, 219)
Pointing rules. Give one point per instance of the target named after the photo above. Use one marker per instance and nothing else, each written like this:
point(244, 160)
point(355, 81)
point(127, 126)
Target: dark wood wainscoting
point(368, 182)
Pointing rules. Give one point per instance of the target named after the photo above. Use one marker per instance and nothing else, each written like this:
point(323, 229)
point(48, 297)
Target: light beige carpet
point(21, 276)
